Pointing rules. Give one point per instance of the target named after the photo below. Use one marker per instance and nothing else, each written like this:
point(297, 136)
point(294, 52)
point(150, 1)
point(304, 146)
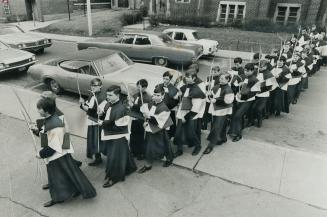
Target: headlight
point(20, 46)
point(2, 66)
point(33, 58)
point(23, 45)
point(45, 41)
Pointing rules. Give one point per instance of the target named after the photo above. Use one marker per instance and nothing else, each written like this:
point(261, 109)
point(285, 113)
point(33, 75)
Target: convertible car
point(14, 60)
point(156, 49)
point(15, 37)
point(74, 73)
point(191, 36)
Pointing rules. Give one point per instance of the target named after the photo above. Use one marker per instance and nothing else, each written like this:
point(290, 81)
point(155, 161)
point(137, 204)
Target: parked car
point(191, 36)
point(14, 60)
point(156, 49)
point(75, 72)
point(15, 37)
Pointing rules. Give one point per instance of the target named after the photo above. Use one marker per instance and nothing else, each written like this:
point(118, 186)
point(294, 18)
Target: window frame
point(287, 13)
point(236, 9)
point(183, 1)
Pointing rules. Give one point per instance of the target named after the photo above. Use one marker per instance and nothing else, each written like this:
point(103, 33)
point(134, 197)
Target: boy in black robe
point(170, 99)
point(93, 130)
point(137, 143)
point(220, 107)
point(245, 97)
point(115, 136)
point(158, 120)
point(189, 114)
point(282, 75)
point(66, 180)
point(268, 83)
point(297, 68)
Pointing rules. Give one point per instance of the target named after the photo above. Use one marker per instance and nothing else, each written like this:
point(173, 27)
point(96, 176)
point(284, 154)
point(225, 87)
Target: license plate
point(21, 69)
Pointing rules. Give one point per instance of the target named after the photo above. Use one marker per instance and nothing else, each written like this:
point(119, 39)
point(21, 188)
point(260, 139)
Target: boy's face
point(248, 72)
point(139, 87)
point(296, 58)
point(223, 80)
point(280, 63)
point(95, 88)
point(157, 97)
point(112, 97)
point(43, 113)
point(166, 80)
point(237, 65)
point(189, 79)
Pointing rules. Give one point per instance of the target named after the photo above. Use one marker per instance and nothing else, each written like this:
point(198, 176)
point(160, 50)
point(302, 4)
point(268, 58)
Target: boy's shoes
point(167, 163)
point(50, 203)
point(237, 138)
point(96, 162)
point(144, 169)
point(196, 150)
point(178, 153)
point(108, 183)
point(208, 150)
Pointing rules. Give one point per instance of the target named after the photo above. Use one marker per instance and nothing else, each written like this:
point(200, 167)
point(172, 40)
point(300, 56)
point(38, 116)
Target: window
point(287, 13)
point(183, 1)
point(180, 36)
point(127, 39)
point(230, 11)
point(88, 70)
point(142, 40)
point(170, 34)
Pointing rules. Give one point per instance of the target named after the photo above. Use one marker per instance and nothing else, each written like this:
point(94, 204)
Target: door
point(123, 4)
point(142, 49)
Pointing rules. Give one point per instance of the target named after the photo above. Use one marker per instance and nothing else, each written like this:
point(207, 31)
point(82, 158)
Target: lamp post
point(89, 18)
point(68, 8)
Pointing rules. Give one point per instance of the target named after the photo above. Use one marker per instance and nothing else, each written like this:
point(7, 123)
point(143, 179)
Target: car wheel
point(41, 51)
point(160, 61)
point(54, 86)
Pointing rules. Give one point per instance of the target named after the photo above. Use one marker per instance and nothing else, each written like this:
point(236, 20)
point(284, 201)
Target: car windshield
point(195, 35)
point(112, 63)
point(9, 30)
point(3, 46)
point(162, 39)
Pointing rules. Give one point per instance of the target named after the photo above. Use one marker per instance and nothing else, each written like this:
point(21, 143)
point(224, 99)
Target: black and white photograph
point(163, 108)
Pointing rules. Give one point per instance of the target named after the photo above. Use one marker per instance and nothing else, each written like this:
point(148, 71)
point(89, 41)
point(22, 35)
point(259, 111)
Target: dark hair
point(256, 56)
point(159, 89)
point(47, 105)
point(96, 82)
point(226, 75)
point(249, 66)
point(167, 74)
point(142, 82)
point(238, 60)
point(115, 89)
point(216, 68)
point(282, 58)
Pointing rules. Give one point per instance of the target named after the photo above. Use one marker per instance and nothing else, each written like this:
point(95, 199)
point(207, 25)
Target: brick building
point(26, 9)
point(280, 11)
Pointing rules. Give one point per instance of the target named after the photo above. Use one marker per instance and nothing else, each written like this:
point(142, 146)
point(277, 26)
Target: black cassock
point(93, 143)
point(279, 95)
point(191, 109)
point(157, 140)
point(114, 136)
point(137, 142)
point(65, 178)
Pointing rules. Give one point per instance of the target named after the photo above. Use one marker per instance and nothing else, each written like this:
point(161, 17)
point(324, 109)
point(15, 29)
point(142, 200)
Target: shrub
point(186, 20)
point(144, 11)
point(266, 25)
point(131, 18)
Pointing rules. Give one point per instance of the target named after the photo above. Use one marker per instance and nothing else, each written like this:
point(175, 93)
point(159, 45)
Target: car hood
point(153, 74)
point(208, 41)
point(11, 55)
point(18, 38)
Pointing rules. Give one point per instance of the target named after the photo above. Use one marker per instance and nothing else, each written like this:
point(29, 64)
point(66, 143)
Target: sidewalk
point(288, 172)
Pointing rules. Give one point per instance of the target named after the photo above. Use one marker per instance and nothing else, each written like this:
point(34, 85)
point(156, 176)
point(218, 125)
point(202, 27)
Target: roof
point(181, 29)
point(89, 54)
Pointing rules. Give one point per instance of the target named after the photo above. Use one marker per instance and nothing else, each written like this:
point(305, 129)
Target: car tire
point(160, 61)
point(54, 86)
point(41, 51)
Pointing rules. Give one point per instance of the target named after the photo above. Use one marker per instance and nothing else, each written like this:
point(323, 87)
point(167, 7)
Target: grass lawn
point(105, 23)
point(237, 39)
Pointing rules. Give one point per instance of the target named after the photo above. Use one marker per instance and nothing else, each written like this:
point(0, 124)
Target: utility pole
point(68, 8)
point(89, 18)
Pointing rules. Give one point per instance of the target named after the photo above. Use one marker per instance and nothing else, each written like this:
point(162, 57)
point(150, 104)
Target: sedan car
point(15, 37)
point(156, 49)
point(74, 73)
point(191, 36)
point(14, 60)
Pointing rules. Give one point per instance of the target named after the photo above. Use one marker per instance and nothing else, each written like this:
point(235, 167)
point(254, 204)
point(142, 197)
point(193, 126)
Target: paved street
point(277, 170)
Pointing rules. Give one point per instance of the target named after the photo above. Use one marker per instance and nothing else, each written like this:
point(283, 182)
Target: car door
point(142, 48)
point(126, 45)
